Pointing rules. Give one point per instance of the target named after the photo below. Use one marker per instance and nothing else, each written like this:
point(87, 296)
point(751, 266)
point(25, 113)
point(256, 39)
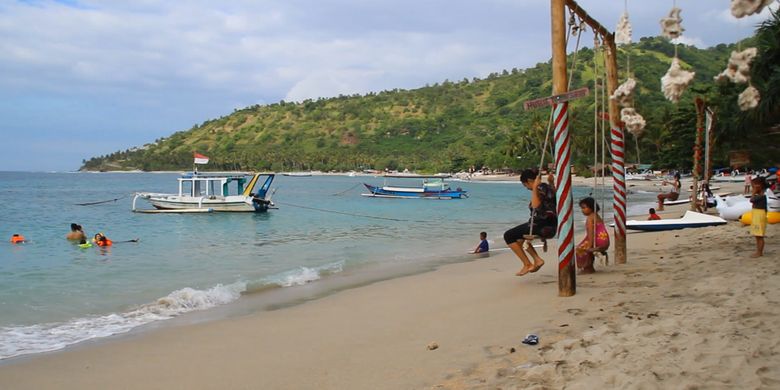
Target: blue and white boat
point(433, 187)
point(691, 219)
point(207, 192)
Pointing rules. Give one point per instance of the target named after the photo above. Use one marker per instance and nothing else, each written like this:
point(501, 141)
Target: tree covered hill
point(448, 126)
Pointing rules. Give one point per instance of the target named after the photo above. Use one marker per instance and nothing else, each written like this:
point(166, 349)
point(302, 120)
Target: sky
point(80, 79)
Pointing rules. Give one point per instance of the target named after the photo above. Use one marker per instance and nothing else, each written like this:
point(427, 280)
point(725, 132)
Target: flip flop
point(531, 339)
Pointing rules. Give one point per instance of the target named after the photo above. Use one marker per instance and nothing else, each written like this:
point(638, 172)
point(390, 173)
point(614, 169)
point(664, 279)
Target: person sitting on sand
point(543, 217)
point(672, 195)
point(76, 233)
point(653, 216)
point(758, 222)
point(483, 243)
point(596, 236)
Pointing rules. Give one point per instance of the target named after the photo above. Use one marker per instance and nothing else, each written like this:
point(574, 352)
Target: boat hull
point(412, 193)
point(689, 220)
point(243, 204)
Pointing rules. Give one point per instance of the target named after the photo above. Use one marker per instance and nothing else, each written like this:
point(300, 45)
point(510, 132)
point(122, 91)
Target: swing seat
point(528, 239)
point(603, 257)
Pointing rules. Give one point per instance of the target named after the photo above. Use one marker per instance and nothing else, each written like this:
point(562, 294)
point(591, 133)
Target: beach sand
point(689, 310)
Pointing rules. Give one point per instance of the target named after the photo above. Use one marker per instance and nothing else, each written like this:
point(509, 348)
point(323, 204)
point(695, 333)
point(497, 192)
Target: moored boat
point(211, 191)
point(433, 187)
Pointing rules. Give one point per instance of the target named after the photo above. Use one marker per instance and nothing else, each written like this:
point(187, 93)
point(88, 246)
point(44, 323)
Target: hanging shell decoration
point(671, 26)
point(676, 81)
point(738, 70)
point(634, 122)
point(624, 94)
point(749, 98)
point(623, 30)
point(742, 8)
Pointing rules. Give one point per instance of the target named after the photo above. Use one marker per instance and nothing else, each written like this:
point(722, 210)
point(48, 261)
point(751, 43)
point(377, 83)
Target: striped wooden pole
point(619, 186)
point(618, 150)
point(566, 274)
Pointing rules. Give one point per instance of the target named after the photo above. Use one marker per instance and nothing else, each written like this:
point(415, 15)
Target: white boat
point(211, 191)
point(433, 187)
point(728, 178)
point(297, 174)
point(644, 175)
point(691, 219)
point(733, 207)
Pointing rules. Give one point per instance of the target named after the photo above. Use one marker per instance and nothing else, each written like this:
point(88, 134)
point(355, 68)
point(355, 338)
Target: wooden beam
point(596, 26)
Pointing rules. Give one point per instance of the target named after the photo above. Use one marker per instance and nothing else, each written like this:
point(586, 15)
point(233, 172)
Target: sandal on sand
point(531, 339)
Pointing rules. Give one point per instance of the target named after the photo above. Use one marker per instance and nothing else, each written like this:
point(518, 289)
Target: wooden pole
point(709, 125)
point(618, 150)
point(697, 154)
point(566, 274)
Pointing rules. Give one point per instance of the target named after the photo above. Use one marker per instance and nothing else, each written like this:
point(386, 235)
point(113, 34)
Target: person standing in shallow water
point(543, 217)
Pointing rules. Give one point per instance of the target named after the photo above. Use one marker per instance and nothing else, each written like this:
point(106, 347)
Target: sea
point(322, 237)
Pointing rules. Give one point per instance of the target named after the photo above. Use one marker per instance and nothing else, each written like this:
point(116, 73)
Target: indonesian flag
point(201, 159)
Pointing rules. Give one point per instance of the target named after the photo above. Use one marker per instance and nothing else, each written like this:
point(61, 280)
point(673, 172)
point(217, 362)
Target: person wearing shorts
point(543, 221)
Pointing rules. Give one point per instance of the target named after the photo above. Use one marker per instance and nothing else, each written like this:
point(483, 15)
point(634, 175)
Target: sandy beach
point(689, 310)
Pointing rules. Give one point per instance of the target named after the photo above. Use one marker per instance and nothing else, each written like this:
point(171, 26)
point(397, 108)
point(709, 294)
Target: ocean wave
point(304, 275)
point(23, 340)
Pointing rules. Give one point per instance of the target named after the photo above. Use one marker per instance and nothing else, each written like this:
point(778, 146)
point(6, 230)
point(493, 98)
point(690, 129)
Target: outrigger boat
point(206, 192)
point(691, 219)
point(433, 187)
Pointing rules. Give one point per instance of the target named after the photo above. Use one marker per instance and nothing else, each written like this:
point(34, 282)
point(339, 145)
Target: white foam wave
point(22, 340)
point(303, 275)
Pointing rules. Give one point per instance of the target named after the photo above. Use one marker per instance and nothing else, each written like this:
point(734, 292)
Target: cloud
point(137, 70)
point(691, 41)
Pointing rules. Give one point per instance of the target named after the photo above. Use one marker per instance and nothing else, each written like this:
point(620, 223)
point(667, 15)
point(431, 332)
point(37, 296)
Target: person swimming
point(76, 233)
point(18, 239)
point(101, 240)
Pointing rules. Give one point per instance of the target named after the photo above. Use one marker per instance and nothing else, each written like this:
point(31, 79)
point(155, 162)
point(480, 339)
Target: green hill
point(445, 127)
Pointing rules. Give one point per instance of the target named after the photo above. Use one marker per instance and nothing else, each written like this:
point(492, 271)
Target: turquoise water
point(53, 293)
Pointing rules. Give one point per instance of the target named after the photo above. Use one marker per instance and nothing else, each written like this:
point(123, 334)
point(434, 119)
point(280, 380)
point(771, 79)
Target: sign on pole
point(555, 99)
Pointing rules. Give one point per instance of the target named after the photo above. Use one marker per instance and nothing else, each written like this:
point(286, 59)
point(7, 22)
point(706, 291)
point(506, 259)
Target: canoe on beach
point(691, 219)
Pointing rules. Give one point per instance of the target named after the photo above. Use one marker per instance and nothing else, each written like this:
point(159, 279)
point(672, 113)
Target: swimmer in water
point(76, 233)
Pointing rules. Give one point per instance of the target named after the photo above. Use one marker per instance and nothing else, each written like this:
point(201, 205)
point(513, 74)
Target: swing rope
point(576, 29)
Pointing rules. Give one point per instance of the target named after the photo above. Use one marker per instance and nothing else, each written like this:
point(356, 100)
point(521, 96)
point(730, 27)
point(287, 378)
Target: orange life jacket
point(17, 239)
point(105, 242)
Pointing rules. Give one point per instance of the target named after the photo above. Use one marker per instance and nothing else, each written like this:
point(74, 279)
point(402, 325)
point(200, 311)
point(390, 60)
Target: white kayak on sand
point(691, 219)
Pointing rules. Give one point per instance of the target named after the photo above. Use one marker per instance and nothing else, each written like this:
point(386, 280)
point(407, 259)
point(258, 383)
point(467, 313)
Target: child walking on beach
point(596, 237)
point(758, 223)
point(483, 243)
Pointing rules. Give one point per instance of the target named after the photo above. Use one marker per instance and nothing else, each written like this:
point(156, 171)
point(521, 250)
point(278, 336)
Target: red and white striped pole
point(618, 151)
point(619, 179)
point(566, 274)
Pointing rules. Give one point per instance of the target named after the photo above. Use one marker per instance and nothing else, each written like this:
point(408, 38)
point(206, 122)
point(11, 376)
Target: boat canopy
point(218, 184)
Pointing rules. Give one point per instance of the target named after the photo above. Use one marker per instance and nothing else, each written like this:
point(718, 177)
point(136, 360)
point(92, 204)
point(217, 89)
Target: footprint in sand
point(575, 312)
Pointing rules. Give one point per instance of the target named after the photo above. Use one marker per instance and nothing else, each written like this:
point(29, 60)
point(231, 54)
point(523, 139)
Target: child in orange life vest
point(101, 240)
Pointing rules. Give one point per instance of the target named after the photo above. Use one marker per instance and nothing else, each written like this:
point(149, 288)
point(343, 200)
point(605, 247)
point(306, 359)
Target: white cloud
point(160, 66)
point(691, 41)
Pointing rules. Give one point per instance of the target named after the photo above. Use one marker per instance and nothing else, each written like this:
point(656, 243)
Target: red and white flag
point(201, 159)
